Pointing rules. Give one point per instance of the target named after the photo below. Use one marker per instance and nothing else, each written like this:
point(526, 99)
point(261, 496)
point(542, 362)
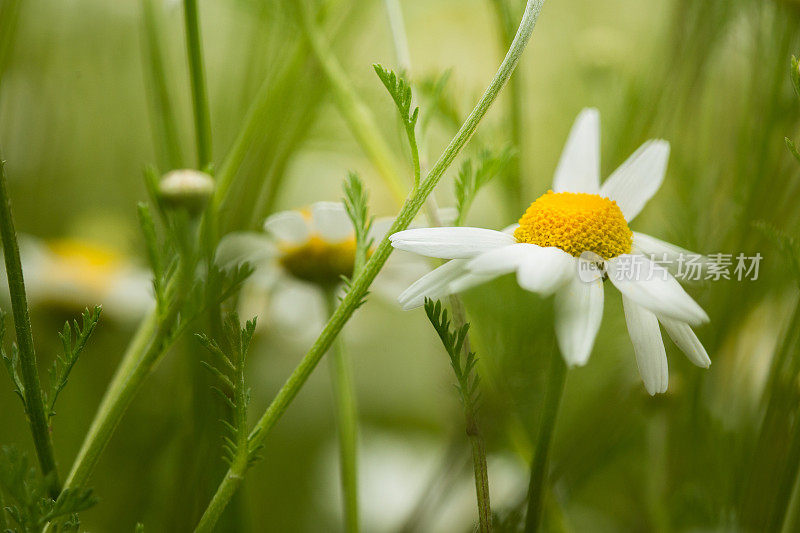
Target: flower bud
point(186, 188)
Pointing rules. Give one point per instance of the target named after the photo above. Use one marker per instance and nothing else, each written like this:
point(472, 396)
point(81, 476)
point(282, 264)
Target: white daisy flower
point(578, 216)
point(72, 274)
point(301, 257)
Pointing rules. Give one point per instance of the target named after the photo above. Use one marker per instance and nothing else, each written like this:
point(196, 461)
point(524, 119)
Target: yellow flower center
point(576, 222)
point(320, 262)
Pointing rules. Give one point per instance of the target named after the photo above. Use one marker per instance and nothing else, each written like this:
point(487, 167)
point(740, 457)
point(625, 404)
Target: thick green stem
point(194, 50)
point(556, 379)
point(347, 426)
point(34, 401)
point(361, 284)
point(481, 472)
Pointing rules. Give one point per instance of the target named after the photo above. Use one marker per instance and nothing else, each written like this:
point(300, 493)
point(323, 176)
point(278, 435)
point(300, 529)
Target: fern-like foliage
point(11, 362)
point(356, 201)
point(228, 369)
point(400, 91)
point(71, 351)
point(473, 176)
point(29, 507)
point(463, 361)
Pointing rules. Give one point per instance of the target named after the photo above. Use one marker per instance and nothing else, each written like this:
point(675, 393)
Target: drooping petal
point(579, 311)
point(638, 178)
point(331, 221)
point(450, 242)
point(651, 358)
point(694, 263)
point(578, 169)
point(653, 287)
point(685, 339)
point(433, 284)
point(545, 270)
point(468, 281)
point(501, 260)
point(245, 246)
point(290, 227)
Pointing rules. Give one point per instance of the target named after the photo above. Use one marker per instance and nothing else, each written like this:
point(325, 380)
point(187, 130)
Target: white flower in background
point(300, 258)
point(579, 215)
point(71, 274)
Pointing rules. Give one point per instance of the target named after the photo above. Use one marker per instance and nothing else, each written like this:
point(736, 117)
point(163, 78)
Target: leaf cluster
point(356, 202)
point(74, 338)
point(461, 360)
point(473, 176)
point(30, 507)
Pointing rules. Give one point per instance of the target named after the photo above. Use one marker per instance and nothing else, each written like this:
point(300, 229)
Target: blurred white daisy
point(300, 258)
point(579, 216)
point(72, 274)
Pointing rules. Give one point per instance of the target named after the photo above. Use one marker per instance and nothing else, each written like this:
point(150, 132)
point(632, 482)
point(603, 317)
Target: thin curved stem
point(34, 401)
point(556, 379)
point(361, 284)
point(358, 116)
point(194, 50)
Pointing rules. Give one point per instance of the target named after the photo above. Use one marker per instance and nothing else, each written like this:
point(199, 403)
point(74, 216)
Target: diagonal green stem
point(556, 379)
point(34, 401)
point(361, 284)
point(202, 120)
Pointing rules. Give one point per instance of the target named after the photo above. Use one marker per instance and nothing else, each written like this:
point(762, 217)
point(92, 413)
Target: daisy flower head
point(567, 243)
point(299, 259)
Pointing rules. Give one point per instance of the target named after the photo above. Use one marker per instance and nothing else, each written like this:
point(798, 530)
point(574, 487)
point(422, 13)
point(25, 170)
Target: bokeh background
point(79, 120)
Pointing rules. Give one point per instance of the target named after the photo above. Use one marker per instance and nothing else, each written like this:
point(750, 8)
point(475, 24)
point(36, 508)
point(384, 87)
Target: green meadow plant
point(589, 451)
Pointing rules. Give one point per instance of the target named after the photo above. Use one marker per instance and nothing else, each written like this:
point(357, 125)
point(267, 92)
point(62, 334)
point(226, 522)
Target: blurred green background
point(79, 121)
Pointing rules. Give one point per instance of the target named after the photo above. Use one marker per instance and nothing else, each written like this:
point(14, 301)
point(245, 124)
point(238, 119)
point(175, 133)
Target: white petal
point(288, 226)
point(245, 246)
point(331, 222)
point(579, 311)
point(651, 358)
point(510, 229)
point(501, 260)
point(652, 286)
point(683, 337)
point(433, 284)
point(649, 245)
point(638, 178)
point(450, 242)
point(545, 269)
point(674, 256)
point(579, 167)
point(468, 281)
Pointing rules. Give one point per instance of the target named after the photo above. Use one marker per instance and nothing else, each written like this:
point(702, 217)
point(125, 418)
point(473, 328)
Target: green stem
point(539, 466)
point(513, 186)
point(361, 284)
point(163, 115)
point(481, 472)
point(476, 441)
point(347, 425)
point(34, 401)
point(202, 120)
point(148, 345)
point(358, 116)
